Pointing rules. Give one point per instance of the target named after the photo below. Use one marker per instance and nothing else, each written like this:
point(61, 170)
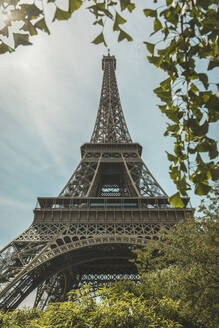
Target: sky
point(49, 99)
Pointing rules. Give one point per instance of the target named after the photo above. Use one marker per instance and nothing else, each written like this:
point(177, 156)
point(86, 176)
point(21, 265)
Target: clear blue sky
point(49, 99)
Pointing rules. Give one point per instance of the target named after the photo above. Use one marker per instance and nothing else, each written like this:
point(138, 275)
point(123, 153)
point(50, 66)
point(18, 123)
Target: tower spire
point(110, 126)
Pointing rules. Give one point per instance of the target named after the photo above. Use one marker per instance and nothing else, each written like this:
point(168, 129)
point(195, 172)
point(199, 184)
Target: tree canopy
point(188, 47)
point(183, 265)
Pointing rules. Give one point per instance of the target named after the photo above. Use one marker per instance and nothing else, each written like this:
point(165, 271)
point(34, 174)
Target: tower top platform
point(111, 60)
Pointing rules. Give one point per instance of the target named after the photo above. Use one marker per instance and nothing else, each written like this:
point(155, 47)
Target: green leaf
point(29, 27)
point(176, 200)
point(150, 47)
point(199, 161)
point(196, 128)
point(204, 79)
point(108, 13)
point(192, 88)
point(213, 103)
point(100, 22)
point(183, 167)
point(41, 24)
point(150, 13)
point(118, 20)
point(4, 48)
point(126, 4)
point(172, 158)
point(21, 39)
point(4, 31)
point(213, 152)
point(31, 10)
point(155, 60)
point(157, 25)
point(74, 5)
point(202, 188)
point(131, 7)
point(123, 4)
point(205, 95)
point(171, 14)
point(11, 49)
point(98, 6)
point(165, 84)
point(214, 62)
point(163, 108)
point(215, 173)
point(174, 172)
point(182, 185)
point(178, 149)
point(99, 39)
point(123, 35)
point(208, 145)
point(174, 116)
point(112, 3)
point(165, 96)
point(61, 14)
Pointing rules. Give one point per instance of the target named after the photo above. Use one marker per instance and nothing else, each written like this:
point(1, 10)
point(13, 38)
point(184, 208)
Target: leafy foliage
point(35, 16)
point(106, 309)
point(183, 266)
point(29, 17)
point(189, 33)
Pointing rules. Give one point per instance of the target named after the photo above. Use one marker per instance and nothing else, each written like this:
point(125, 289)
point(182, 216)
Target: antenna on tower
point(108, 51)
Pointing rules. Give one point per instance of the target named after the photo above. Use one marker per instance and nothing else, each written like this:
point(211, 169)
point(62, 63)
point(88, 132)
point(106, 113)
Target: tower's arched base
point(96, 265)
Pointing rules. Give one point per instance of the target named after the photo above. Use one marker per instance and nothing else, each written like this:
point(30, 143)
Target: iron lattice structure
point(110, 205)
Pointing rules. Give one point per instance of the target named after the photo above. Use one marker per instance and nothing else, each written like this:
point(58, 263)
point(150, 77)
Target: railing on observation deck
point(109, 202)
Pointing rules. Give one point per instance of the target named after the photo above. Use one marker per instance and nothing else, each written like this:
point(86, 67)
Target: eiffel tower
point(110, 205)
